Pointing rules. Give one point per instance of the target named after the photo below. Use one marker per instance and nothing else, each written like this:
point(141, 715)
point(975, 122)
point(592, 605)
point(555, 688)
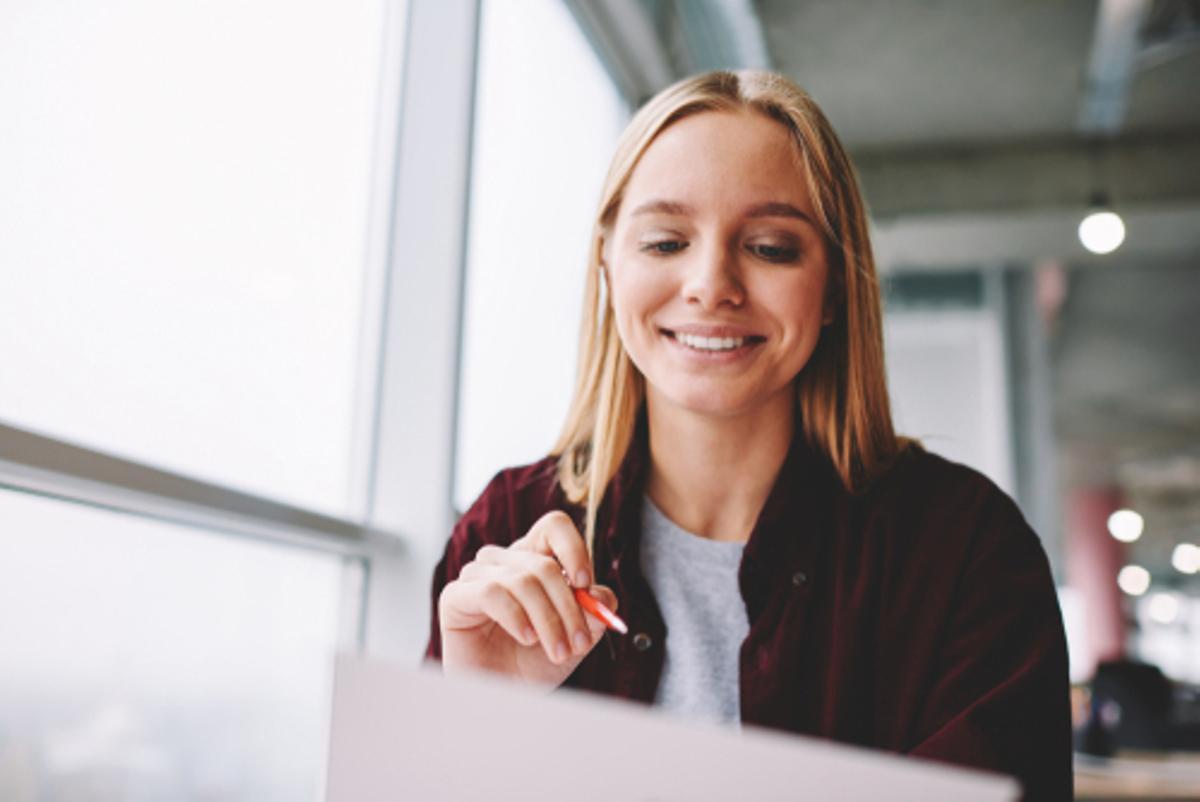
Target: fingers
point(524, 590)
point(604, 595)
point(501, 607)
point(498, 578)
point(478, 602)
point(551, 608)
point(555, 534)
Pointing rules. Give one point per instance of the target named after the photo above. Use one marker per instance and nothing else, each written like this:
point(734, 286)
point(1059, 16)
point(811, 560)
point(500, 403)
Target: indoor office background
point(282, 284)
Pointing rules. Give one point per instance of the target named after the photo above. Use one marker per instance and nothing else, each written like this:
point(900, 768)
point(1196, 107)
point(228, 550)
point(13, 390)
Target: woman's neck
point(710, 475)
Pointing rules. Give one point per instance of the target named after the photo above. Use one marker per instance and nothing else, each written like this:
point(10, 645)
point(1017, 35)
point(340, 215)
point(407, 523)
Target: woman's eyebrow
point(769, 209)
point(775, 209)
point(663, 207)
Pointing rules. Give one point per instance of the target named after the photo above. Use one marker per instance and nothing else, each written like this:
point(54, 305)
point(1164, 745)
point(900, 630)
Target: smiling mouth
point(713, 344)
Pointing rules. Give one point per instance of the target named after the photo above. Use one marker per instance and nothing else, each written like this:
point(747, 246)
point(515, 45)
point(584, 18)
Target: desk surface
point(1138, 775)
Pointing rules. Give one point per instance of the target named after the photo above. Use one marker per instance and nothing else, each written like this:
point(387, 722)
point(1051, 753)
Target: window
point(188, 200)
point(183, 206)
point(547, 119)
point(947, 369)
point(143, 660)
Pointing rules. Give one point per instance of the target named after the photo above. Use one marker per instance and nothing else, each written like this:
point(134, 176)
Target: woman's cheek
point(637, 291)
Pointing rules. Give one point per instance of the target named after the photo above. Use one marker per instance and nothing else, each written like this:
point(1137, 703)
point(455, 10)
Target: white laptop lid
point(400, 733)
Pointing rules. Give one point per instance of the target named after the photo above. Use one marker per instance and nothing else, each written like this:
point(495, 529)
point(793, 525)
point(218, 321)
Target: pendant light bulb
point(1103, 230)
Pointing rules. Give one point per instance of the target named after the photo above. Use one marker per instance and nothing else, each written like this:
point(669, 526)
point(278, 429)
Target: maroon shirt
point(917, 617)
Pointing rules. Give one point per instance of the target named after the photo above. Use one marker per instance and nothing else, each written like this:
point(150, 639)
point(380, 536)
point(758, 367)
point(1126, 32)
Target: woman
point(728, 476)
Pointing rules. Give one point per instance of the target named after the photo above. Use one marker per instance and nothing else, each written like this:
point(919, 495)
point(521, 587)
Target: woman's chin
point(709, 404)
point(721, 399)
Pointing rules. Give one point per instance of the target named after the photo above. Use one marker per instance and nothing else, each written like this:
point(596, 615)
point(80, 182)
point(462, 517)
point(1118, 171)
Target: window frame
point(403, 442)
point(423, 125)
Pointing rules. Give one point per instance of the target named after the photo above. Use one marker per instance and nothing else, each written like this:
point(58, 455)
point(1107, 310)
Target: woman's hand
point(512, 611)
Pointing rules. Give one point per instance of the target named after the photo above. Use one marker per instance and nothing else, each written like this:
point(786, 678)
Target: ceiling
point(954, 72)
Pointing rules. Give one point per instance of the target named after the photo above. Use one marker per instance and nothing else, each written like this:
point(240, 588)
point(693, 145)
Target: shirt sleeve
point(1000, 697)
point(487, 521)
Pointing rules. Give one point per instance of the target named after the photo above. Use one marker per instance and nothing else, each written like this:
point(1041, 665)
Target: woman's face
point(717, 267)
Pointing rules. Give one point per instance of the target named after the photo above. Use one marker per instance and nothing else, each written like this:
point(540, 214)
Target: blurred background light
point(1126, 525)
point(1163, 608)
point(1134, 580)
point(1186, 558)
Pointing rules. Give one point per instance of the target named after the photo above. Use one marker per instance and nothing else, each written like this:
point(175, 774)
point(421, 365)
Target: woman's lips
point(713, 357)
point(712, 330)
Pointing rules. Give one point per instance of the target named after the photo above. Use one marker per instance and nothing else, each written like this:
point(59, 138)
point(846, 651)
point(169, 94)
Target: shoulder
point(948, 544)
point(916, 469)
point(925, 485)
point(935, 506)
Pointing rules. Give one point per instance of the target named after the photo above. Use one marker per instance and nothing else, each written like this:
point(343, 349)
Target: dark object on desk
point(1185, 718)
point(1096, 736)
point(1135, 706)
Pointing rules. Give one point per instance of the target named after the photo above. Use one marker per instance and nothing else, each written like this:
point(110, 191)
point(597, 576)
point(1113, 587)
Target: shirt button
point(642, 641)
point(799, 578)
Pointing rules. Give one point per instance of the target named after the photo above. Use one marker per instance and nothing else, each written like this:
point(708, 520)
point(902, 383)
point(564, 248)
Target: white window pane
point(546, 122)
point(183, 204)
point(146, 661)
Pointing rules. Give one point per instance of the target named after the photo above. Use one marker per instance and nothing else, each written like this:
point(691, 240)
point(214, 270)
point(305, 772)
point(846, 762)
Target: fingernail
point(530, 636)
point(582, 642)
point(581, 579)
point(560, 651)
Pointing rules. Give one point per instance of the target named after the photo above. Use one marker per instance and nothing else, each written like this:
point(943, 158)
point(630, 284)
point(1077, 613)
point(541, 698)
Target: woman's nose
point(712, 279)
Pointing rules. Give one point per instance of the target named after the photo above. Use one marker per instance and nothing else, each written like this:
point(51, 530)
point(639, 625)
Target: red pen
point(596, 608)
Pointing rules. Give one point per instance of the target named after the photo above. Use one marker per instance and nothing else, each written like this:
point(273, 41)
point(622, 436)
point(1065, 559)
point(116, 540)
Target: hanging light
point(1103, 230)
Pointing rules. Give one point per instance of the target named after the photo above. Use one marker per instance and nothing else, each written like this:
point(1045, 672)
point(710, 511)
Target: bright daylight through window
point(182, 231)
point(537, 167)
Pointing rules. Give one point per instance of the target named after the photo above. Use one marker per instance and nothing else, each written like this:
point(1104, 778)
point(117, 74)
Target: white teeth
point(710, 343)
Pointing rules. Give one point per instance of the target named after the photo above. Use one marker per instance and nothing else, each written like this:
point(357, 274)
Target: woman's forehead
point(725, 158)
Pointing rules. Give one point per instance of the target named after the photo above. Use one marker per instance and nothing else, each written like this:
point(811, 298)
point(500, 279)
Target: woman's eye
point(775, 253)
point(664, 247)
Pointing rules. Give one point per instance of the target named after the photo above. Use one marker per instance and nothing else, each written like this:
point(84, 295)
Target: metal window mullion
point(377, 259)
point(419, 348)
point(52, 468)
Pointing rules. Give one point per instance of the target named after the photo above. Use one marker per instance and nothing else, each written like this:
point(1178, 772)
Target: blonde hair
point(842, 390)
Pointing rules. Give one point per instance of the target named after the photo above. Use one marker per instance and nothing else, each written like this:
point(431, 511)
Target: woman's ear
point(602, 259)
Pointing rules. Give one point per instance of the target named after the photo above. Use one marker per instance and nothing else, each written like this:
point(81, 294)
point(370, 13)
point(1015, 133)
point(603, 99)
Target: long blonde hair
point(842, 390)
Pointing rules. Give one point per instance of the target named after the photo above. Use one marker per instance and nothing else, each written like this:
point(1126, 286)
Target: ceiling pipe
point(1111, 65)
point(722, 34)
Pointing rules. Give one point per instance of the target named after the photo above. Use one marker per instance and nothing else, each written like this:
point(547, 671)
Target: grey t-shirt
point(695, 581)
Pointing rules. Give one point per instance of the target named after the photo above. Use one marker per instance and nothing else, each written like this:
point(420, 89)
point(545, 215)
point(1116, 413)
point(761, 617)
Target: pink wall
point(1093, 559)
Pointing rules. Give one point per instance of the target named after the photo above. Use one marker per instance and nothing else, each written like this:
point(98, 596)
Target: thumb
point(604, 595)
